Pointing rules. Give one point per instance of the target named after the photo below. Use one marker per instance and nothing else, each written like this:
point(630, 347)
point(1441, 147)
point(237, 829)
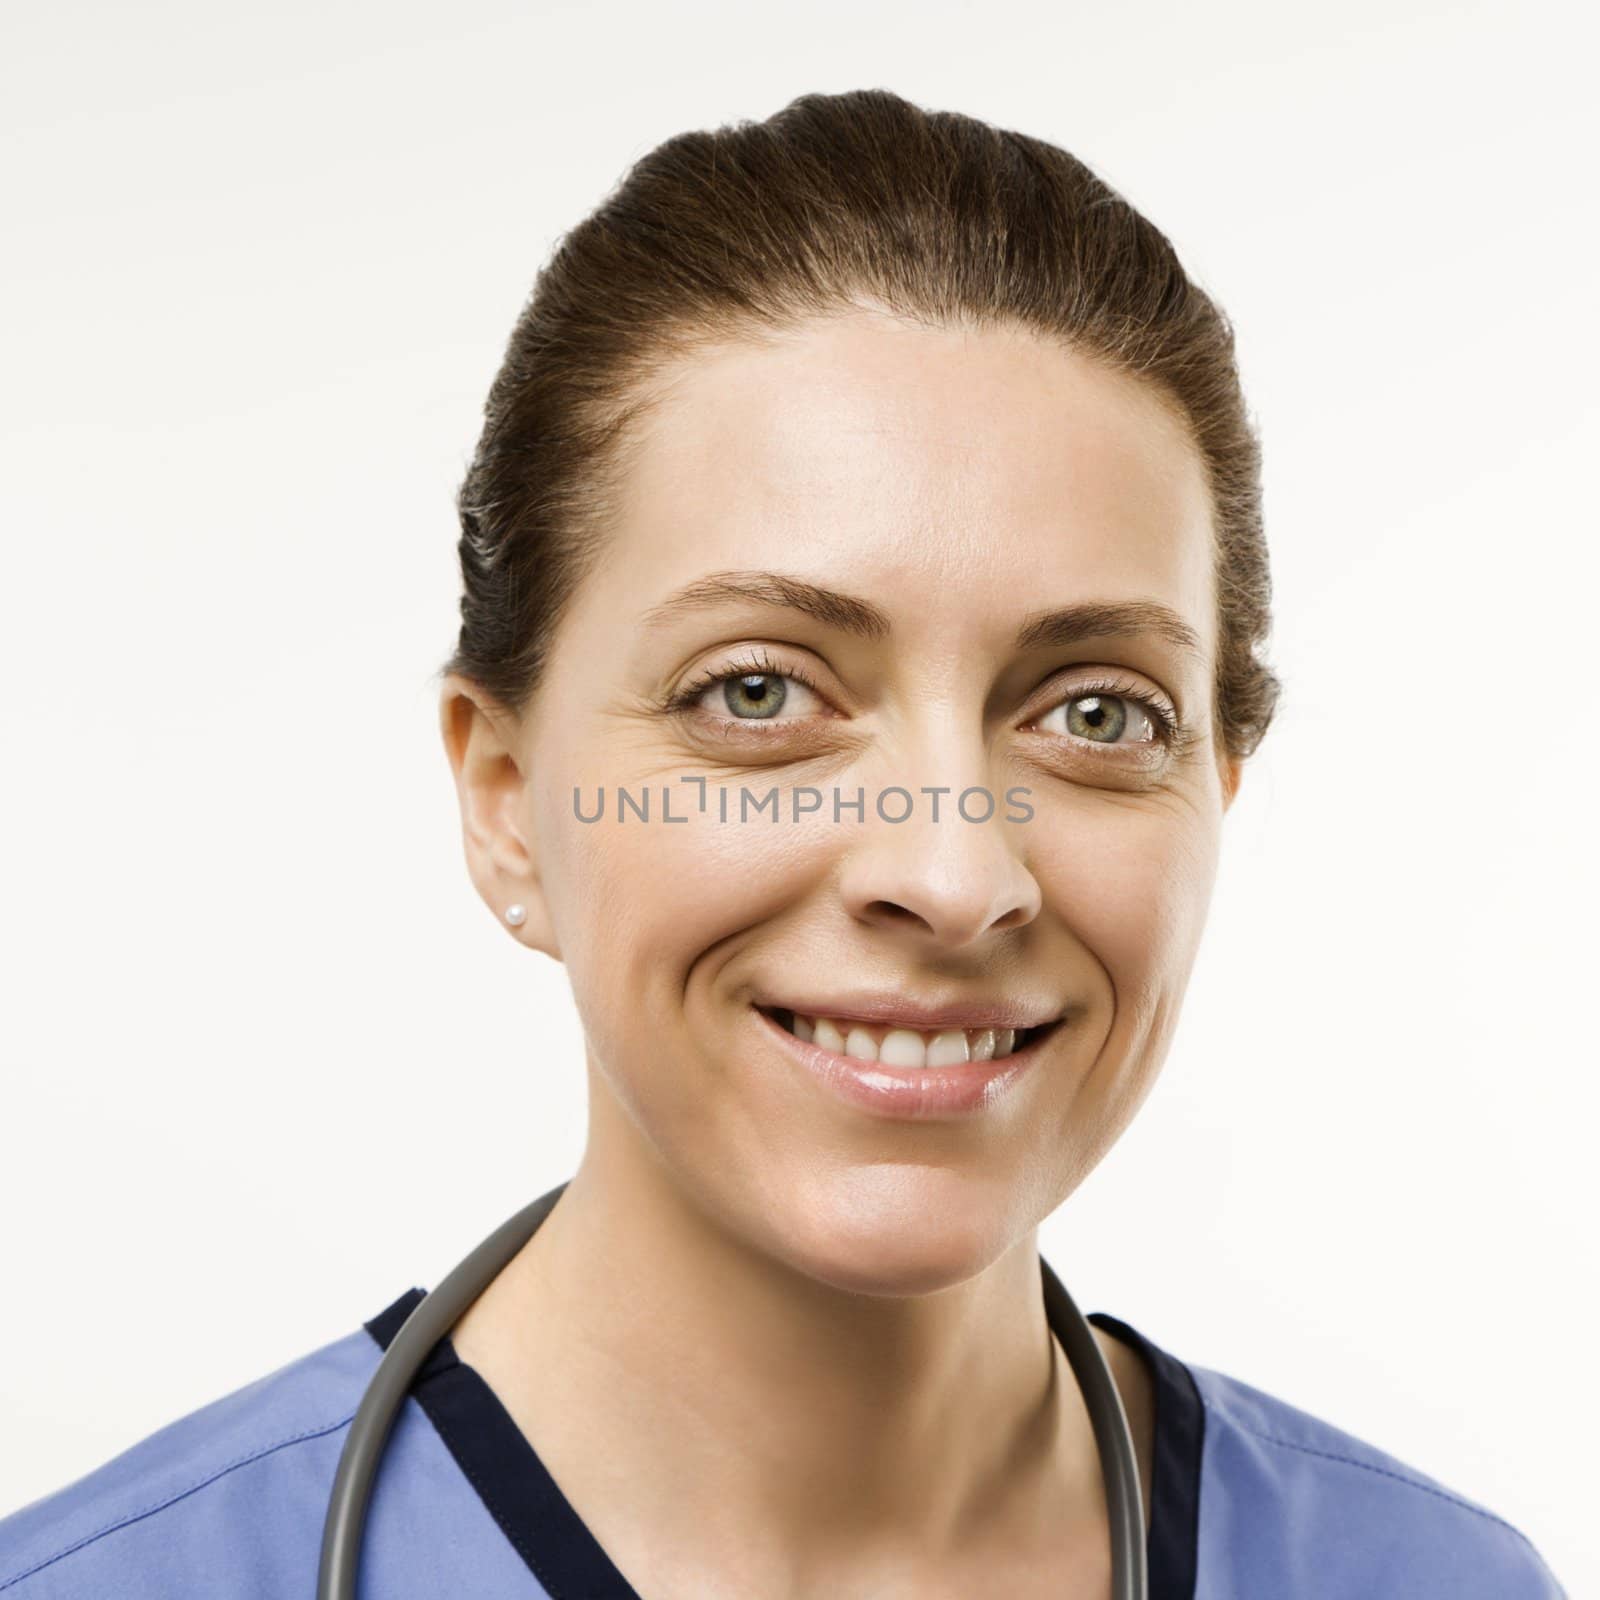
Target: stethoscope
point(438, 1312)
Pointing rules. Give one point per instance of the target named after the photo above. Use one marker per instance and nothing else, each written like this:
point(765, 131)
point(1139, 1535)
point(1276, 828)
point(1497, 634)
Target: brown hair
point(832, 201)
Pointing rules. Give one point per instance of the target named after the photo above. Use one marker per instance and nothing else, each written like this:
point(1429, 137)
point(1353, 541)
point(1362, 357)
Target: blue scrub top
point(1252, 1499)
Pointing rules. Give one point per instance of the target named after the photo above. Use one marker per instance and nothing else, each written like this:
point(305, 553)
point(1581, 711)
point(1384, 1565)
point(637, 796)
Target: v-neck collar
point(515, 1486)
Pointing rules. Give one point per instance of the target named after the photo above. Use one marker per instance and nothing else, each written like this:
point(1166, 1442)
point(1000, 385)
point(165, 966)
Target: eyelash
point(757, 663)
point(1161, 716)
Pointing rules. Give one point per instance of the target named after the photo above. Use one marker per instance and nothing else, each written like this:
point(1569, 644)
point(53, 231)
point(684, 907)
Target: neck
point(685, 1388)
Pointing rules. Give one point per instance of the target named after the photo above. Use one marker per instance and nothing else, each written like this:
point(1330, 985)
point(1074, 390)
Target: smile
point(904, 1047)
point(904, 1073)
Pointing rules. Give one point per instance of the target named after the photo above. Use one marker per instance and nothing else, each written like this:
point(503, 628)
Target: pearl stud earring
point(516, 915)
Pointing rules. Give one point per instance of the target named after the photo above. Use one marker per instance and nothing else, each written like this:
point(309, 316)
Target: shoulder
point(1291, 1503)
point(238, 1487)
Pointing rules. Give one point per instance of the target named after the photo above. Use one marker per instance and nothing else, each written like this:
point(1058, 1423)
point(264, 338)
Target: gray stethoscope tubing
point(438, 1312)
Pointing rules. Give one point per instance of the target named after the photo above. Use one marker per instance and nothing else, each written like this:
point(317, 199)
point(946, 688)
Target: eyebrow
point(1063, 625)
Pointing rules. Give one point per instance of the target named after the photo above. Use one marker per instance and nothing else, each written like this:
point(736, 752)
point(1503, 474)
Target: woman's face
point(956, 488)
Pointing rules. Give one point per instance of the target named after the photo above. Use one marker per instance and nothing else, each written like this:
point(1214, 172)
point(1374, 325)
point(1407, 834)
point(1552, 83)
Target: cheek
point(639, 905)
point(1132, 883)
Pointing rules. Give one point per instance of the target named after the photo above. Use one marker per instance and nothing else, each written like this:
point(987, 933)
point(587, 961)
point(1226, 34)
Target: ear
point(1232, 770)
point(481, 743)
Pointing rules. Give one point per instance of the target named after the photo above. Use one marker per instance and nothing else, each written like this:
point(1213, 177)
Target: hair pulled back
point(833, 202)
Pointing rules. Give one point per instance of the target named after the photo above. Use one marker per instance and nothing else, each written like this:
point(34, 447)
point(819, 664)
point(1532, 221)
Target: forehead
point(958, 477)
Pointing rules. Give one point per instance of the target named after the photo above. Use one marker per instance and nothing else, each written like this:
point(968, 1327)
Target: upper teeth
point(904, 1047)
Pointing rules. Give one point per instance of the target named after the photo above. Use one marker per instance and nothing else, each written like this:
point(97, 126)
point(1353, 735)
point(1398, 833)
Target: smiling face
point(1002, 558)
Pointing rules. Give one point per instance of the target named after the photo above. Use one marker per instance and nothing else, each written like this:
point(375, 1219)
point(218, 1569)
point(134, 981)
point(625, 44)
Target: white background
point(268, 1061)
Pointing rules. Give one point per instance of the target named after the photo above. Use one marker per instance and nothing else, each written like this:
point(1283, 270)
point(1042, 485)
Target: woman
point(864, 592)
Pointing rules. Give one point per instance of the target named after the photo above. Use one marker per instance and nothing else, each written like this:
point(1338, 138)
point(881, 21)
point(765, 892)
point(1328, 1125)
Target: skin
point(768, 1343)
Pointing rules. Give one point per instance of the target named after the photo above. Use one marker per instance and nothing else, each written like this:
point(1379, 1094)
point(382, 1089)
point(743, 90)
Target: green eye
point(755, 694)
point(1100, 717)
point(753, 689)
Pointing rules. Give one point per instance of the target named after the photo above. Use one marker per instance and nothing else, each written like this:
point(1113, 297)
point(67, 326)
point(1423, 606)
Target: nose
point(943, 881)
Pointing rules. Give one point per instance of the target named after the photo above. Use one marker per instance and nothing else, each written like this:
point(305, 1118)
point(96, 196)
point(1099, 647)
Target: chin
point(896, 1230)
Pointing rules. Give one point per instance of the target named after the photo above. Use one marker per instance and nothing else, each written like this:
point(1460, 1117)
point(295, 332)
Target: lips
point(883, 1088)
